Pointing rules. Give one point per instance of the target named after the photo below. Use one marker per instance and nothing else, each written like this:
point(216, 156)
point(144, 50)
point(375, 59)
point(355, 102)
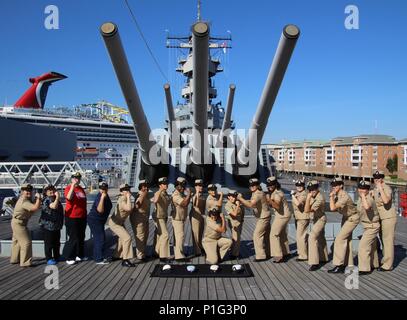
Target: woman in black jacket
point(51, 221)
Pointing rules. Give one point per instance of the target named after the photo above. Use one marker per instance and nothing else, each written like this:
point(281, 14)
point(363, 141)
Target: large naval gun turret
point(200, 141)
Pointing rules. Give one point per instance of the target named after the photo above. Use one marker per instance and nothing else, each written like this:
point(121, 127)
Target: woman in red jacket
point(75, 220)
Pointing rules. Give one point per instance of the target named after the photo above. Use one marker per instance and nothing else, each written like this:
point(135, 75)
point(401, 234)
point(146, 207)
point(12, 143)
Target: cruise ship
point(106, 141)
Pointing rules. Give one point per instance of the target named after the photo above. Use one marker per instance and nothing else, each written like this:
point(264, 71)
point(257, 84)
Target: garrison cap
point(27, 187)
point(378, 174)
point(163, 180)
point(299, 182)
point(313, 185)
point(337, 181)
point(77, 175)
point(125, 186)
point(103, 185)
point(363, 184)
point(212, 187)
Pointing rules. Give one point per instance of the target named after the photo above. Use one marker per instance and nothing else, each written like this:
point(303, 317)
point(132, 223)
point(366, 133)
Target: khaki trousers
point(388, 228)
point(236, 230)
point(161, 238)
point(343, 254)
point(124, 248)
point(140, 225)
point(179, 237)
point(212, 246)
point(197, 228)
point(367, 247)
point(278, 237)
point(21, 246)
point(302, 238)
point(261, 236)
point(317, 248)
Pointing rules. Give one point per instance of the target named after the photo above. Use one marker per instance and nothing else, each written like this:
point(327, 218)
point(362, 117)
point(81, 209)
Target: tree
point(392, 164)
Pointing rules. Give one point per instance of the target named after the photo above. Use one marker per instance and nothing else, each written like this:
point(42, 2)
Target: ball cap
point(337, 181)
point(313, 185)
point(103, 185)
point(26, 187)
point(212, 187)
point(125, 186)
point(76, 175)
point(378, 174)
point(48, 187)
point(163, 180)
point(364, 184)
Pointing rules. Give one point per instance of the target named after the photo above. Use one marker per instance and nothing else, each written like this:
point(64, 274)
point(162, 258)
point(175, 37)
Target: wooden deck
point(286, 281)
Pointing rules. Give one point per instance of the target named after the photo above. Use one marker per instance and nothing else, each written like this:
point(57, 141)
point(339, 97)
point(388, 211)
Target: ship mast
point(199, 10)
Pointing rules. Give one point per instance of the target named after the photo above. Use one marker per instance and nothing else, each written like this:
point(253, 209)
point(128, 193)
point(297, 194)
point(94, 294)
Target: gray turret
point(280, 63)
point(114, 46)
point(200, 54)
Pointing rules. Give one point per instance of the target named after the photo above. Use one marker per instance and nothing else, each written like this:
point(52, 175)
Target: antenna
point(199, 10)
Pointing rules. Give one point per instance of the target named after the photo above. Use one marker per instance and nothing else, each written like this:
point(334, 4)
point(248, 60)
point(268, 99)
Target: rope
point(145, 41)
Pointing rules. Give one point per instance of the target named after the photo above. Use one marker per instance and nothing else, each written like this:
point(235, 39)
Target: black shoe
point(278, 260)
point(363, 273)
point(384, 270)
point(165, 260)
point(337, 269)
point(234, 257)
point(111, 259)
point(142, 260)
point(314, 267)
point(260, 260)
point(300, 260)
point(127, 263)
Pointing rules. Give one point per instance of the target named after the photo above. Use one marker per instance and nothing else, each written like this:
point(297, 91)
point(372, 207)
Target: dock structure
point(287, 281)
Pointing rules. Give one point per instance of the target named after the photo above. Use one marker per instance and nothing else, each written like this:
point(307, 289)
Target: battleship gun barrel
point(275, 77)
point(200, 53)
point(229, 107)
point(111, 37)
point(170, 107)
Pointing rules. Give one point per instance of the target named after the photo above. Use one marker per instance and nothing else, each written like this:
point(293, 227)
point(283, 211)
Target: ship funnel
point(226, 121)
point(275, 77)
point(200, 97)
point(111, 37)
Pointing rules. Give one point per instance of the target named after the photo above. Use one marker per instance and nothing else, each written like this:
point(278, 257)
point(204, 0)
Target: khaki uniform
point(367, 253)
point(302, 223)
point(197, 215)
point(160, 217)
point(261, 234)
point(179, 217)
point(235, 225)
point(21, 247)
point(139, 219)
point(343, 254)
point(278, 235)
point(212, 202)
point(317, 247)
point(124, 248)
point(388, 220)
point(213, 241)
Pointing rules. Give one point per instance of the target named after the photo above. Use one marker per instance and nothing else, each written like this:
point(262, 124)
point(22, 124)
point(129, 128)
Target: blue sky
point(339, 81)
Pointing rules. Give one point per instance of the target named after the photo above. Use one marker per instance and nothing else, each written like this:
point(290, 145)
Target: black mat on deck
point(201, 271)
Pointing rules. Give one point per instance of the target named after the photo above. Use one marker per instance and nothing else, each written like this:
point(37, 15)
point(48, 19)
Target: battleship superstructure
point(192, 145)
